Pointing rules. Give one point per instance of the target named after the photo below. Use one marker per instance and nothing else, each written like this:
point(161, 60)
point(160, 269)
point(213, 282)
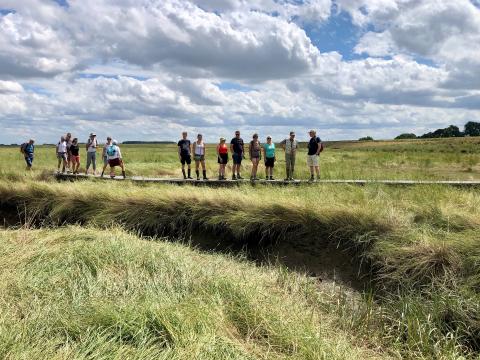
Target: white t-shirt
point(62, 147)
point(92, 145)
point(116, 153)
point(199, 148)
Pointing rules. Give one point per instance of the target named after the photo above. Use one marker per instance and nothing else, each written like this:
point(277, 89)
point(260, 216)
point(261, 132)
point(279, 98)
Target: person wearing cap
point(222, 153)
point(104, 154)
point(91, 147)
point(184, 154)
point(255, 155)
point(290, 147)
point(314, 149)
point(28, 149)
point(115, 159)
point(269, 154)
point(236, 147)
point(199, 152)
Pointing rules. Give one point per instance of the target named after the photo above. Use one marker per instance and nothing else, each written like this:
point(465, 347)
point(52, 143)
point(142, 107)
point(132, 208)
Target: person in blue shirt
point(28, 150)
point(269, 156)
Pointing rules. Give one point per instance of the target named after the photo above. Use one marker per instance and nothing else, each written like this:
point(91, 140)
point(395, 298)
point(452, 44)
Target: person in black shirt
point(75, 155)
point(236, 147)
point(314, 148)
point(184, 154)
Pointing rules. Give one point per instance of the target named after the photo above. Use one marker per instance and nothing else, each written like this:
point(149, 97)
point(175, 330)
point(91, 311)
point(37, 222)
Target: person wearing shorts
point(91, 147)
point(236, 147)
point(199, 156)
point(255, 155)
point(75, 155)
point(115, 159)
point(314, 148)
point(222, 153)
point(269, 154)
point(28, 150)
point(61, 150)
point(184, 154)
point(104, 154)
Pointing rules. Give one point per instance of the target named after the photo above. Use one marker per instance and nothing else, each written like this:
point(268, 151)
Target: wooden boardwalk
point(219, 183)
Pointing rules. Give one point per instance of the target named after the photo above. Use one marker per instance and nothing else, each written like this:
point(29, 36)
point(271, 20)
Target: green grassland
point(428, 159)
point(94, 269)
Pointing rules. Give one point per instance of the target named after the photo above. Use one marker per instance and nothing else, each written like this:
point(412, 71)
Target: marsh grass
point(419, 245)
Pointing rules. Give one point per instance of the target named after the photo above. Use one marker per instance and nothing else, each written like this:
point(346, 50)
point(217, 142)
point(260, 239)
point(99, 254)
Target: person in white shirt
point(91, 147)
point(199, 156)
point(61, 150)
point(115, 159)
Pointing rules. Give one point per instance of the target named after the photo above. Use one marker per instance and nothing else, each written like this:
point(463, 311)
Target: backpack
point(23, 148)
point(322, 147)
point(111, 150)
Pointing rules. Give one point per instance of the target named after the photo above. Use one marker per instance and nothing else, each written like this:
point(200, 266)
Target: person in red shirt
point(222, 152)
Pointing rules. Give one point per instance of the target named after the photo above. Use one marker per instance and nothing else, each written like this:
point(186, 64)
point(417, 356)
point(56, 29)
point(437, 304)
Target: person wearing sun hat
point(115, 159)
point(222, 153)
point(91, 147)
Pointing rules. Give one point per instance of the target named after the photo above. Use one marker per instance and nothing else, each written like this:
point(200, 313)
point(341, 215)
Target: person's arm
point(194, 148)
point(231, 147)
point(283, 143)
point(56, 148)
point(86, 145)
point(179, 151)
point(119, 153)
point(218, 150)
point(205, 150)
point(319, 148)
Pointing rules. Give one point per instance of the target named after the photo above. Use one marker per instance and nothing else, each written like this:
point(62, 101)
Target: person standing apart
point(222, 153)
point(269, 153)
point(199, 153)
point(184, 151)
point(28, 149)
point(68, 139)
point(314, 149)
point(61, 150)
point(104, 154)
point(255, 155)
point(115, 159)
point(236, 147)
point(91, 147)
point(290, 147)
point(75, 156)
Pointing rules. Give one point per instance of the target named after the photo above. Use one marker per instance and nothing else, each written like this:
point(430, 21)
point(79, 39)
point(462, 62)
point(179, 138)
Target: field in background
point(429, 159)
point(321, 271)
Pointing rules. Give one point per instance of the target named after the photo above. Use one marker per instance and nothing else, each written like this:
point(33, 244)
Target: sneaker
point(190, 178)
point(272, 178)
point(234, 177)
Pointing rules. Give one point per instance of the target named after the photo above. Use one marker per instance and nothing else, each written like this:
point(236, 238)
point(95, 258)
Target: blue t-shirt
point(269, 150)
point(29, 149)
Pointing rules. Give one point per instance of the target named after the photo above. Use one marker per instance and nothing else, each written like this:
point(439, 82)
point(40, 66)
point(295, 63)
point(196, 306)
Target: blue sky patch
point(4, 12)
point(227, 85)
point(63, 3)
point(109, 76)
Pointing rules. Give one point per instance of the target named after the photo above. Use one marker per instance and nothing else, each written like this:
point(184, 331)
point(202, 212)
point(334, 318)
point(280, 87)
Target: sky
point(150, 69)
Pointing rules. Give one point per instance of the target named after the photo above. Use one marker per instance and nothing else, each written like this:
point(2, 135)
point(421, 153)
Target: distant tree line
point(471, 128)
point(147, 142)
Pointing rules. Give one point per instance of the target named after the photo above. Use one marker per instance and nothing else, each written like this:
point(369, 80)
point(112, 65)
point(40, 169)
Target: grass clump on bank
point(85, 293)
point(419, 244)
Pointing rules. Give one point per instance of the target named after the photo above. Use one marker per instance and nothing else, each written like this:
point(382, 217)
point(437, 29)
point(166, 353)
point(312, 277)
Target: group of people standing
point(68, 155)
point(255, 151)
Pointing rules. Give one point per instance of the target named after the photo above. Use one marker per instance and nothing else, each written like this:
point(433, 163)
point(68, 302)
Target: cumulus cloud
point(150, 68)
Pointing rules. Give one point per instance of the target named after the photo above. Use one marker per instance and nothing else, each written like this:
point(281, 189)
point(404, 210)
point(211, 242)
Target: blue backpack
point(111, 150)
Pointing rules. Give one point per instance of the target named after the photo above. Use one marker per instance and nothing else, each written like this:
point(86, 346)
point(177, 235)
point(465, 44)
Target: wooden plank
point(216, 182)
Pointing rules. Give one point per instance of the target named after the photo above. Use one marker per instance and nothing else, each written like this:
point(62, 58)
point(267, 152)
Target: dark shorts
point(223, 158)
point(29, 159)
point(270, 162)
point(185, 159)
point(237, 158)
point(114, 162)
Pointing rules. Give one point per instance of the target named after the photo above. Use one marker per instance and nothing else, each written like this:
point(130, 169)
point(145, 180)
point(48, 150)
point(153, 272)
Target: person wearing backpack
point(104, 154)
point(91, 147)
point(28, 149)
point(315, 147)
point(61, 150)
point(115, 159)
